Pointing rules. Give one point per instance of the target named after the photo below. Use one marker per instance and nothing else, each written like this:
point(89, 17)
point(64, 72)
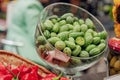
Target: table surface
point(97, 72)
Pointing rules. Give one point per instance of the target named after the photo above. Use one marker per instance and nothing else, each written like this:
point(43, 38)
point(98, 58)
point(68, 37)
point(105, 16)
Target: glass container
point(45, 49)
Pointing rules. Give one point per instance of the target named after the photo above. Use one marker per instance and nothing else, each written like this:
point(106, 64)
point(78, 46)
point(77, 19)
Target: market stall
point(74, 42)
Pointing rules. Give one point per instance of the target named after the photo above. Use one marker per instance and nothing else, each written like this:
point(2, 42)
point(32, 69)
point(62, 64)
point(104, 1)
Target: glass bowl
point(53, 56)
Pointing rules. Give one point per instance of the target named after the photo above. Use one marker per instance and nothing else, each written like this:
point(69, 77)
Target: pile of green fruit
point(74, 36)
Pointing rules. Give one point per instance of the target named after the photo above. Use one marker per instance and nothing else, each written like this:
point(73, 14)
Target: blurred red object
point(4, 7)
point(4, 4)
point(114, 44)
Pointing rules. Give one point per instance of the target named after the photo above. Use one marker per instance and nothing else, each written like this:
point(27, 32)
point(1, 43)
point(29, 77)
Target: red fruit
point(3, 69)
point(15, 71)
point(23, 70)
point(63, 78)
point(6, 77)
point(29, 76)
point(49, 77)
point(114, 44)
point(32, 75)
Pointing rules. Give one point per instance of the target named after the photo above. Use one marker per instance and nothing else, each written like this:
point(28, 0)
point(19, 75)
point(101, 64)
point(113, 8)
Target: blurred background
point(96, 7)
point(99, 8)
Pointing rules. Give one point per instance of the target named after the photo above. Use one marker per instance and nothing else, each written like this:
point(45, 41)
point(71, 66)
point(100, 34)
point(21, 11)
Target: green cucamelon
point(76, 51)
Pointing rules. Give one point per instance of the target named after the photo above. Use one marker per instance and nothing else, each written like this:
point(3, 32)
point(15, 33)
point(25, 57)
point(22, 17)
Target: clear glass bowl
point(44, 48)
